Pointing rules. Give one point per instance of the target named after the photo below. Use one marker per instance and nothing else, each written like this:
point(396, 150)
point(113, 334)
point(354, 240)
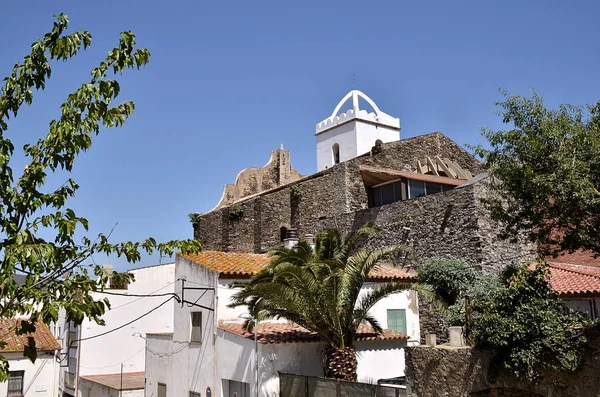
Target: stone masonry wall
point(465, 372)
point(448, 224)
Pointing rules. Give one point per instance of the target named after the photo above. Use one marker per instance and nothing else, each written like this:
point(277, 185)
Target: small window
point(15, 383)
point(416, 188)
point(336, 153)
point(433, 188)
point(195, 394)
point(196, 335)
point(282, 233)
point(117, 284)
point(396, 320)
point(162, 390)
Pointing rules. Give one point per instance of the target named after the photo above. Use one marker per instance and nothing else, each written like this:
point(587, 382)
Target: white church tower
point(343, 136)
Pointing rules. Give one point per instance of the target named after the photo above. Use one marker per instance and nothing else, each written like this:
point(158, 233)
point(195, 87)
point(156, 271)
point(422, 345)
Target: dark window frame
point(196, 330)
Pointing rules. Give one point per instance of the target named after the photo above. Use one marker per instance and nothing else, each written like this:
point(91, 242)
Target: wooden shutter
point(15, 383)
point(396, 320)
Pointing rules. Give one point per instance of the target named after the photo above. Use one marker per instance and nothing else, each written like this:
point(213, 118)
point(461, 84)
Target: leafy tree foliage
point(448, 278)
point(38, 229)
point(319, 289)
point(529, 327)
point(546, 173)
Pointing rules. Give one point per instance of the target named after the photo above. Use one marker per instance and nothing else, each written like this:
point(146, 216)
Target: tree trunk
point(341, 363)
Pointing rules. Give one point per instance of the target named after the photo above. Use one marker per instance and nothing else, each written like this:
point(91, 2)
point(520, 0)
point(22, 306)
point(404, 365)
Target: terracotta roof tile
point(580, 257)
point(271, 332)
point(574, 279)
point(44, 339)
point(245, 265)
point(131, 380)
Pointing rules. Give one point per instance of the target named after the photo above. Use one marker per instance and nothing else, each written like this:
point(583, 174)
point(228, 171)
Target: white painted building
point(39, 379)
point(344, 136)
point(209, 350)
point(96, 357)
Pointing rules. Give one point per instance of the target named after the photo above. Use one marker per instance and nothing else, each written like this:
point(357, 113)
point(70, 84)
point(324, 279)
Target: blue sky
point(230, 81)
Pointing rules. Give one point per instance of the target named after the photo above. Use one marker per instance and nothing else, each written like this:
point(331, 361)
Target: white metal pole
point(256, 351)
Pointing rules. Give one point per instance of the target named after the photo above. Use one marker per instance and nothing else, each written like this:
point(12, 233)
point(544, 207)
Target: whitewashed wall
point(105, 354)
point(91, 389)
point(41, 377)
point(407, 300)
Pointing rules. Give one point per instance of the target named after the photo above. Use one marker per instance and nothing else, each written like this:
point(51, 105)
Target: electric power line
point(135, 295)
point(112, 365)
point(126, 324)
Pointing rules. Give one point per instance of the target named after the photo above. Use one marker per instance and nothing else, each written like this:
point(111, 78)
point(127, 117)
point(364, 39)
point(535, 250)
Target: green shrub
point(529, 327)
point(447, 277)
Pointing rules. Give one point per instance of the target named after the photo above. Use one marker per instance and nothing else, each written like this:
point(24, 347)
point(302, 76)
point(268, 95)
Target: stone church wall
point(448, 224)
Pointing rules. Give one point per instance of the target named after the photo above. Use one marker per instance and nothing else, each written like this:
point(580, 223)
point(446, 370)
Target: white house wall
point(41, 377)
point(380, 360)
point(407, 300)
point(376, 360)
point(92, 389)
point(105, 354)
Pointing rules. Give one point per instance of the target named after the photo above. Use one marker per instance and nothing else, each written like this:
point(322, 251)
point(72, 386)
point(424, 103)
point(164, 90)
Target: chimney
point(310, 240)
point(291, 239)
point(108, 269)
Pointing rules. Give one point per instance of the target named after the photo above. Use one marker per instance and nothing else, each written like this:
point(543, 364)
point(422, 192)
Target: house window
point(196, 335)
point(162, 390)
point(195, 394)
point(582, 305)
point(336, 153)
point(396, 320)
point(117, 284)
point(239, 389)
point(15, 383)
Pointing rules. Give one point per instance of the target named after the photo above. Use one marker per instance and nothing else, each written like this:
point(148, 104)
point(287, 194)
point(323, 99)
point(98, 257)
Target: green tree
point(529, 327)
point(38, 229)
point(546, 173)
point(319, 289)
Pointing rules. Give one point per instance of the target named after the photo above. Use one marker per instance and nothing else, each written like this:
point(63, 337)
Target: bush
point(447, 277)
point(530, 328)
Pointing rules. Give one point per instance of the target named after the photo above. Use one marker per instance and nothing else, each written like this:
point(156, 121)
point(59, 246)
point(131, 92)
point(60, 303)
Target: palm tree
point(319, 289)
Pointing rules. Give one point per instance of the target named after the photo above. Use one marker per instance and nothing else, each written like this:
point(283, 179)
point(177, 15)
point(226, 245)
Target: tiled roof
point(580, 257)
point(245, 265)
point(574, 279)
point(44, 339)
point(129, 380)
point(271, 332)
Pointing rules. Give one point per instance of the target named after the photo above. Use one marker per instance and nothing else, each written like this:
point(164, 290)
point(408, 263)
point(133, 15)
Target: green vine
point(236, 212)
point(194, 219)
point(296, 191)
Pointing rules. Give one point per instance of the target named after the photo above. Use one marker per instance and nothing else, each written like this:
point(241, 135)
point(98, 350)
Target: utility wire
point(153, 292)
point(135, 295)
point(112, 365)
point(126, 324)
